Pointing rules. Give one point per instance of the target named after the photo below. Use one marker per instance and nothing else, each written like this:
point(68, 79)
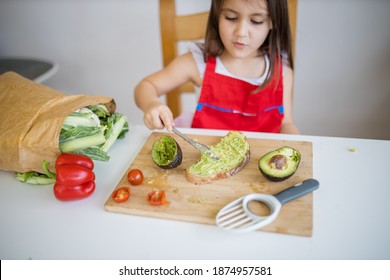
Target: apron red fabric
point(230, 104)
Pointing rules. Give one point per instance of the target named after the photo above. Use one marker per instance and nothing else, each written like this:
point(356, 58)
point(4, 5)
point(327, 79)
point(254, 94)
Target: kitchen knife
point(199, 146)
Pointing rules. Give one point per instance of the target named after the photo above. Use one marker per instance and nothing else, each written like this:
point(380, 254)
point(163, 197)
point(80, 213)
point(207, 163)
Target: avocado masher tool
point(238, 218)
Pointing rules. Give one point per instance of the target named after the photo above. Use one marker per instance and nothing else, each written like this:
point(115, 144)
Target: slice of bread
point(233, 152)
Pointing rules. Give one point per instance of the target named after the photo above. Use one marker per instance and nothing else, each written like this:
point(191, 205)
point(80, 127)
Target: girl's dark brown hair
point(277, 42)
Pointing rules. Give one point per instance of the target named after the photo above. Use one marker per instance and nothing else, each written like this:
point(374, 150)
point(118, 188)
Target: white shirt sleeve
point(197, 53)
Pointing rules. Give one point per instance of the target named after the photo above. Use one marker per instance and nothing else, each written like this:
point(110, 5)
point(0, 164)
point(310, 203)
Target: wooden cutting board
point(201, 203)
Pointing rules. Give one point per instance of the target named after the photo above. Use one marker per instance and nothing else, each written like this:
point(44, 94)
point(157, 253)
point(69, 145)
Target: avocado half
point(166, 152)
point(280, 164)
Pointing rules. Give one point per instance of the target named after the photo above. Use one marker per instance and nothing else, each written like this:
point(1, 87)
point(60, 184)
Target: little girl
point(244, 69)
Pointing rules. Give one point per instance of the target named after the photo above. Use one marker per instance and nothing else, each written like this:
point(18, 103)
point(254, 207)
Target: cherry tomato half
point(156, 198)
point(135, 177)
point(121, 194)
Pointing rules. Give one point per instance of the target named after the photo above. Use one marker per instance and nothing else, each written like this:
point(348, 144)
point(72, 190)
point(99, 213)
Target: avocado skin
point(177, 159)
point(293, 159)
point(275, 179)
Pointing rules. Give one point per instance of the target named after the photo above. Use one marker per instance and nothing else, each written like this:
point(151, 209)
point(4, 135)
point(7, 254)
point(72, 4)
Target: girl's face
point(243, 27)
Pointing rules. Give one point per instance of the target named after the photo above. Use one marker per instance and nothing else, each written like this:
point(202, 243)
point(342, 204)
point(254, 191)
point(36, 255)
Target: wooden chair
point(176, 28)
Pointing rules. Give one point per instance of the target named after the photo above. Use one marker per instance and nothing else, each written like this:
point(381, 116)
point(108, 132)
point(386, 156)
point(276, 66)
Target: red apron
point(230, 104)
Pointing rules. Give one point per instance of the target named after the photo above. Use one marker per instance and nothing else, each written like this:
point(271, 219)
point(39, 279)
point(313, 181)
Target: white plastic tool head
point(238, 218)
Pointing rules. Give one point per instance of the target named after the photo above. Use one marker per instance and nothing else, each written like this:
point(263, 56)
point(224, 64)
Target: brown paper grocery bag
point(31, 117)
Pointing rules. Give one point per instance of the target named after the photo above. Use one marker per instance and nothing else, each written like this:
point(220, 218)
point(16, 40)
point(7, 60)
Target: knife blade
point(199, 146)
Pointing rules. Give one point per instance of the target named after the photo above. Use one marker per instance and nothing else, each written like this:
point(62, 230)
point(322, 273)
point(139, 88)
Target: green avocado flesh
point(280, 164)
point(166, 153)
point(231, 151)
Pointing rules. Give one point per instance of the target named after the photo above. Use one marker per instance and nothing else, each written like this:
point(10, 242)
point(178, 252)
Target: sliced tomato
point(156, 198)
point(121, 194)
point(135, 177)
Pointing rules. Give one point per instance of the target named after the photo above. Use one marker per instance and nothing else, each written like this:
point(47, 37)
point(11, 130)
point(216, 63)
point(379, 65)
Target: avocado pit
point(279, 162)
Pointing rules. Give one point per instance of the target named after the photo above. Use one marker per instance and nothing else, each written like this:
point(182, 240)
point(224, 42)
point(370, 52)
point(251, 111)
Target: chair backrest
point(176, 28)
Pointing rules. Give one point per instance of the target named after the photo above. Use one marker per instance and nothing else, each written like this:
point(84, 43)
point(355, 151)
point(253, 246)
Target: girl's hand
point(158, 116)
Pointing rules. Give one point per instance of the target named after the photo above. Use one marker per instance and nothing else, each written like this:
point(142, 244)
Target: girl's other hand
point(158, 116)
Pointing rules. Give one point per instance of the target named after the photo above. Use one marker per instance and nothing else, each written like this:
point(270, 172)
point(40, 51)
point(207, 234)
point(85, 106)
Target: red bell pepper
point(66, 192)
point(74, 178)
point(73, 174)
point(64, 159)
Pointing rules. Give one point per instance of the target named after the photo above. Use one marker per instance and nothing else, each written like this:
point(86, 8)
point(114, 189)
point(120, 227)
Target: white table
point(351, 213)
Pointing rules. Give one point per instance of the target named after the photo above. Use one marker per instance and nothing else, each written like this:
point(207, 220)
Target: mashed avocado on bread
point(233, 152)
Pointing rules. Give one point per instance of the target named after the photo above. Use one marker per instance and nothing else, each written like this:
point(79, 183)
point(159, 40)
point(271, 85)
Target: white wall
point(342, 77)
point(342, 85)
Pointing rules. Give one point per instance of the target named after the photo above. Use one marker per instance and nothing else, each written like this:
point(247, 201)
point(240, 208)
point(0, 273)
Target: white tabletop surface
point(351, 213)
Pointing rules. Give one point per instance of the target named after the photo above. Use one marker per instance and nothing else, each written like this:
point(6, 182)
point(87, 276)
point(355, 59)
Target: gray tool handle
point(297, 190)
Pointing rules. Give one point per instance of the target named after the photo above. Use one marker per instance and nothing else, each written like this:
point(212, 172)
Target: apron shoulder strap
point(211, 64)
